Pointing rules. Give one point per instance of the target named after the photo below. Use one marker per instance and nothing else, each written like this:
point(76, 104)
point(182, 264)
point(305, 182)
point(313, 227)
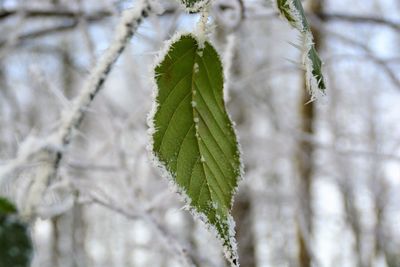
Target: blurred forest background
point(322, 180)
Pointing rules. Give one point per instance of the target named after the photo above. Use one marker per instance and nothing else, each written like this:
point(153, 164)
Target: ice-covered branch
point(54, 146)
point(127, 27)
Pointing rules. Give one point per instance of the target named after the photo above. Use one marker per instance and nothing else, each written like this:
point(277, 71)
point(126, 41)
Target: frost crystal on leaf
point(192, 136)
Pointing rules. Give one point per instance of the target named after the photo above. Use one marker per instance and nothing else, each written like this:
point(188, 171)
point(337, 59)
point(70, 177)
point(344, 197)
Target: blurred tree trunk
point(63, 244)
point(305, 169)
point(377, 183)
point(66, 71)
point(69, 229)
point(9, 130)
point(392, 255)
point(242, 208)
point(345, 183)
point(190, 229)
point(242, 213)
point(305, 164)
point(352, 214)
point(79, 236)
point(381, 235)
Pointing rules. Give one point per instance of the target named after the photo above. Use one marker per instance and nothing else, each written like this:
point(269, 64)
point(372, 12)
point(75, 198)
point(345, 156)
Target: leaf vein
point(169, 121)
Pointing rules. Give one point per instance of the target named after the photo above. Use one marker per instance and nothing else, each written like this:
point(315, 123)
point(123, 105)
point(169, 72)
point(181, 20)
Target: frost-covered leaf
point(193, 138)
point(195, 5)
point(317, 68)
point(293, 11)
point(15, 242)
point(6, 207)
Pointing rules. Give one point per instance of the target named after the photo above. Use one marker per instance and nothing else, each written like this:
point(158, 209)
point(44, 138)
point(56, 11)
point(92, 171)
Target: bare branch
point(55, 13)
point(50, 30)
point(170, 242)
point(358, 19)
point(383, 63)
point(55, 144)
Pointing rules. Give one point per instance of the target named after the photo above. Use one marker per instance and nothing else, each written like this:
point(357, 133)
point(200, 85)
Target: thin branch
point(74, 17)
point(55, 13)
point(50, 30)
point(348, 152)
point(170, 242)
point(331, 17)
point(55, 144)
point(100, 14)
point(331, 147)
point(358, 19)
point(383, 63)
point(78, 166)
point(127, 27)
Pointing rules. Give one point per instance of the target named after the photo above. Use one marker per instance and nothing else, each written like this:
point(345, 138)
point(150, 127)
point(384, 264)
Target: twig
point(358, 19)
point(49, 30)
point(331, 17)
point(55, 144)
point(170, 242)
point(78, 166)
point(55, 13)
point(73, 21)
point(383, 63)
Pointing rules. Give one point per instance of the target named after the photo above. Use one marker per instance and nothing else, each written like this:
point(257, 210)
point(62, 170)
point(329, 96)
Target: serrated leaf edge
point(230, 255)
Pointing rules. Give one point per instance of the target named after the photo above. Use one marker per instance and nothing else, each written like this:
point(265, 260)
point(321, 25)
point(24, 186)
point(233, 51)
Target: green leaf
point(293, 11)
point(15, 242)
point(194, 139)
point(317, 68)
point(6, 207)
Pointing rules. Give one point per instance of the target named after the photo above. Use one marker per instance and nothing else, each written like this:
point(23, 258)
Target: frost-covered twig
point(127, 27)
point(170, 242)
point(55, 144)
point(293, 12)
